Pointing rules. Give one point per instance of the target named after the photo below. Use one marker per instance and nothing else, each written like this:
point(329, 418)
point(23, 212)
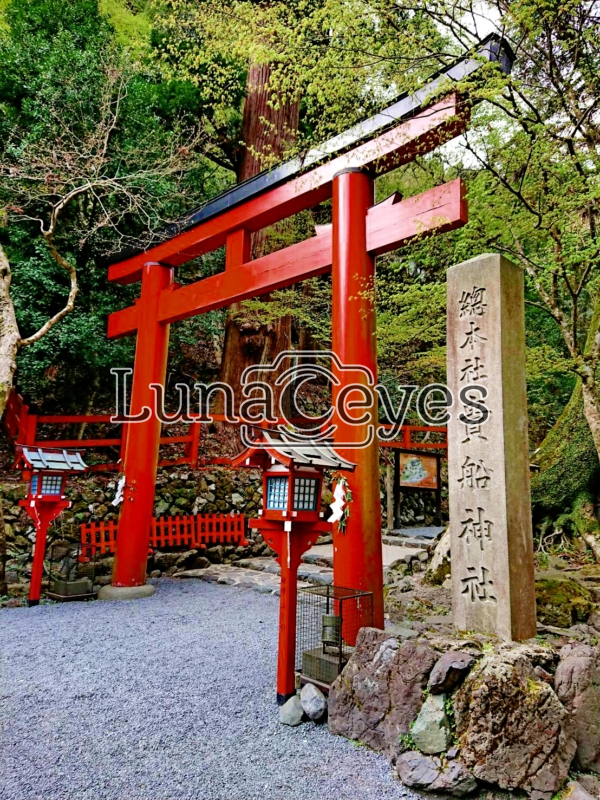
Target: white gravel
point(168, 698)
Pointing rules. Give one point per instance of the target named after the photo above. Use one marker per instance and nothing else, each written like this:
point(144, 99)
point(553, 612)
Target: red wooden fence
point(194, 531)
point(22, 428)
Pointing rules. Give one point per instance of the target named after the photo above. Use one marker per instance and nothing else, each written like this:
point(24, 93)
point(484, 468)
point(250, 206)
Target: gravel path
point(171, 697)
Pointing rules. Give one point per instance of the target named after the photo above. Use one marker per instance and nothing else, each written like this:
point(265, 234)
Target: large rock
point(591, 784)
point(431, 730)
point(215, 554)
point(186, 559)
point(512, 727)
point(449, 670)
point(291, 712)
point(434, 774)
point(164, 561)
point(313, 701)
point(577, 684)
point(379, 692)
point(576, 791)
point(562, 600)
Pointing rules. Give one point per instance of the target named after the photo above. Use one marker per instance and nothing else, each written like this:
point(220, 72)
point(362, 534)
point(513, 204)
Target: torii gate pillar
point(357, 551)
point(143, 439)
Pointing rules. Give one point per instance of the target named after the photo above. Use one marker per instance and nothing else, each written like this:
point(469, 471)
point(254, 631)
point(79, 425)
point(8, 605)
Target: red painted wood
point(196, 430)
point(79, 443)
point(143, 438)
point(42, 512)
point(190, 530)
point(357, 550)
point(388, 227)
point(440, 209)
point(436, 124)
point(289, 546)
point(58, 419)
point(238, 248)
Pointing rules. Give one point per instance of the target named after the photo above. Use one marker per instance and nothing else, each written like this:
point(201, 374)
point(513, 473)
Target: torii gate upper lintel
point(359, 231)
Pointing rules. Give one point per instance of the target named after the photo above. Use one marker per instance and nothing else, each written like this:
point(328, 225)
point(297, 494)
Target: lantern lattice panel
point(46, 484)
point(277, 493)
point(305, 494)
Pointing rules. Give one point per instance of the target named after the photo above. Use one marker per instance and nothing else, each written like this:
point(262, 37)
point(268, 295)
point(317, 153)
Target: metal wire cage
point(72, 571)
point(328, 621)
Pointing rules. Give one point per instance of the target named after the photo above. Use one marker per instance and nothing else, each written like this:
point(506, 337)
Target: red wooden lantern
point(291, 492)
point(290, 522)
point(46, 471)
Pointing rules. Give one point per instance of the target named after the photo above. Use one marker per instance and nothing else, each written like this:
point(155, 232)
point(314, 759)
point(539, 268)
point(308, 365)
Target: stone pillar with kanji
point(488, 453)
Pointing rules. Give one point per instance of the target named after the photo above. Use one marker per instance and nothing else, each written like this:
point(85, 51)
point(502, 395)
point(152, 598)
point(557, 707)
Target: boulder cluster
point(454, 714)
point(310, 704)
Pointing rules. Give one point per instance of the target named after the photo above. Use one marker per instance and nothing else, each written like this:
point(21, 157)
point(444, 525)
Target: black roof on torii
point(492, 48)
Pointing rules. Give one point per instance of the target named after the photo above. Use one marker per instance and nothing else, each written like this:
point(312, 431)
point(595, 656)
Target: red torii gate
point(359, 231)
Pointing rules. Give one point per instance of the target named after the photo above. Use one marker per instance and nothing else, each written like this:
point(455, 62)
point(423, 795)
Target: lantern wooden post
point(46, 472)
point(290, 540)
point(42, 513)
point(290, 522)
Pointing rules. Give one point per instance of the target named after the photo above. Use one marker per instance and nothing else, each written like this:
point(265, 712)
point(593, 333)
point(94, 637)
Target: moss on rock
point(562, 601)
point(437, 576)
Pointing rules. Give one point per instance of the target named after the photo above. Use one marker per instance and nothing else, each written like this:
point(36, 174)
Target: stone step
point(230, 575)
point(405, 541)
point(263, 577)
point(432, 533)
point(322, 555)
point(407, 554)
point(318, 559)
point(315, 574)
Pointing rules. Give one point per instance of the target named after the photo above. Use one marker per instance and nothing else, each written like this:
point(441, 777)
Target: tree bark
point(591, 409)
point(9, 333)
point(267, 134)
point(569, 456)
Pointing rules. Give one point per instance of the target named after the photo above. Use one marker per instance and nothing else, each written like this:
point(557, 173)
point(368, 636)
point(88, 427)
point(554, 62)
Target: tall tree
point(533, 161)
point(538, 141)
point(312, 68)
point(87, 165)
point(269, 129)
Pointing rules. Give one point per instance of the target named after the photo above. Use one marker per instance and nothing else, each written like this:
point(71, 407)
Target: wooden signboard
point(415, 469)
point(419, 470)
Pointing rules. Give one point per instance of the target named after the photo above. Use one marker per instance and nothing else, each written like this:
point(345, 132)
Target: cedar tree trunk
point(266, 132)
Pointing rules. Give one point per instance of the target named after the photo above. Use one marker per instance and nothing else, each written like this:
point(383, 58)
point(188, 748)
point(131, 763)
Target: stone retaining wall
point(177, 492)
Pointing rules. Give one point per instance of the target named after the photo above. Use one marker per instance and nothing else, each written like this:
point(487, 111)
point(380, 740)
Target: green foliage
point(411, 332)
point(65, 367)
point(177, 71)
point(131, 21)
point(343, 59)
point(406, 741)
point(449, 711)
point(76, 112)
point(568, 460)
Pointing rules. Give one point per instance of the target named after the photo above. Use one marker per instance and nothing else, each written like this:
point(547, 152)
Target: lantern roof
point(51, 459)
point(289, 451)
